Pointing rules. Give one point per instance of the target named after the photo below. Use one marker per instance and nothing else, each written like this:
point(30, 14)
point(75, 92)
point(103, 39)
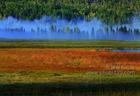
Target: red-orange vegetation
point(67, 60)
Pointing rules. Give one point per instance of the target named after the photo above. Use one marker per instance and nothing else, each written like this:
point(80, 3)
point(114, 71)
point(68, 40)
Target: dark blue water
point(58, 29)
point(128, 50)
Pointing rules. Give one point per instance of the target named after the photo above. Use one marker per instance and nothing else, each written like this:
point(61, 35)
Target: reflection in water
point(50, 29)
point(128, 89)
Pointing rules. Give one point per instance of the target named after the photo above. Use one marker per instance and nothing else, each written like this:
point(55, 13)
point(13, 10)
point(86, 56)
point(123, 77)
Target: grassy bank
point(62, 77)
point(71, 44)
point(63, 84)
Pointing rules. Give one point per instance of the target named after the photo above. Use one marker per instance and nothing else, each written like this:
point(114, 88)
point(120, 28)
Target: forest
point(109, 11)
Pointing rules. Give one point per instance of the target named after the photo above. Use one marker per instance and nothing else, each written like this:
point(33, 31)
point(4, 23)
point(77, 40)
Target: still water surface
point(128, 89)
point(127, 50)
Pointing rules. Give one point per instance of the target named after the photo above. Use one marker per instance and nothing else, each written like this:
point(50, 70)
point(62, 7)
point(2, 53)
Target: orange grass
point(67, 60)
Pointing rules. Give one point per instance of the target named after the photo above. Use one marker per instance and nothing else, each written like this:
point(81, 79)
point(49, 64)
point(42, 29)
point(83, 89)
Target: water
point(57, 29)
point(127, 50)
point(128, 89)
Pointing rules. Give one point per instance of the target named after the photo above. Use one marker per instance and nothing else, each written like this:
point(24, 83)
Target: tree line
point(110, 11)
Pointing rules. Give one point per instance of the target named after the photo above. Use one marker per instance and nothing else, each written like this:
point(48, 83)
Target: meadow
point(60, 71)
point(67, 60)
